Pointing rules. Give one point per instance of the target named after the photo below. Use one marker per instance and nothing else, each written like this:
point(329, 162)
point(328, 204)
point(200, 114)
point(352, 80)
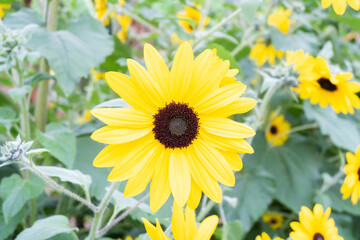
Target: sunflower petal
point(114, 135)
point(225, 127)
point(207, 228)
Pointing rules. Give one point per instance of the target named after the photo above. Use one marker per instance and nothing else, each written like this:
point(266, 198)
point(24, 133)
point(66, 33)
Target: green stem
point(215, 28)
point(102, 207)
point(335, 179)
point(73, 234)
point(204, 211)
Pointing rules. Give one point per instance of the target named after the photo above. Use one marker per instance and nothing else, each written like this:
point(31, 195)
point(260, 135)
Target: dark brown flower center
point(358, 172)
point(273, 221)
point(318, 236)
point(273, 129)
point(327, 84)
point(176, 125)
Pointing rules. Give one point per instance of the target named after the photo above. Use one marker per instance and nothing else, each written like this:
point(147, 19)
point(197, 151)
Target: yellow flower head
point(97, 75)
point(2, 7)
point(194, 14)
point(101, 9)
point(275, 220)
point(351, 184)
point(265, 236)
point(121, 2)
point(178, 133)
point(85, 118)
point(277, 132)
point(301, 61)
point(281, 20)
point(183, 226)
point(340, 5)
point(314, 225)
point(262, 52)
point(320, 86)
point(124, 21)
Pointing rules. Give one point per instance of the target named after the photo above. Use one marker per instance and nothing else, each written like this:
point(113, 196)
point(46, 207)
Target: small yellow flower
point(124, 21)
point(314, 225)
point(262, 52)
point(265, 236)
point(320, 86)
point(351, 185)
point(194, 14)
point(276, 133)
point(128, 238)
point(101, 9)
point(340, 5)
point(275, 220)
point(97, 75)
point(86, 117)
point(281, 20)
point(183, 226)
point(2, 7)
point(121, 2)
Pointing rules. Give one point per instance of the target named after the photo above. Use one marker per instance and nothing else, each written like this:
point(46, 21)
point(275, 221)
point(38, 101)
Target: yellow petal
point(178, 222)
point(326, 3)
point(115, 135)
point(233, 159)
point(339, 6)
point(190, 223)
point(241, 105)
point(228, 128)
point(195, 195)
point(207, 228)
point(179, 175)
point(150, 229)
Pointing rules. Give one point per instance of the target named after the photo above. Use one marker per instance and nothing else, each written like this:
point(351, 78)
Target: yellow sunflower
point(194, 14)
point(275, 220)
point(2, 7)
point(262, 52)
point(101, 9)
point(178, 132)
point(281, 20)
point(277, 129)
point(183, 226)
point(124, 21)
point(265, 236)
point(85, 118)
point(340, 5)
point(320, 86)
point(351, 184)
point(314, 225)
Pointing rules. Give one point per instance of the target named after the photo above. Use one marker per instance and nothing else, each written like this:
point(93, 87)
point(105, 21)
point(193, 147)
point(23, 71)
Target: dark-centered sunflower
point(178, 133)
point(277, 132)
point(314, 225)
point(275, 220)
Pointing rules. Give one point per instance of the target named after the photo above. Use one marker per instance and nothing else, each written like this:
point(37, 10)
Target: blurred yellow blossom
point(281, 20)
point(101, 9)
point(351, 186)
point(276, 133)
point(85, 118)
point(194, 14)
point(121, 2)
point(340, 5)
point(124, 21)
point(262, 52)
point(2, 7)
point(275, 220)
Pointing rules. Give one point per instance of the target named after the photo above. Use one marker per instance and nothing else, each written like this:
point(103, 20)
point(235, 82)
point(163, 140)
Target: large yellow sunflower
point(193, 14)
point(263, 52)
point(265, 236)
point(275, 220)
point(277, 131)
point(351, 184)
point(183, 226)
point(281, 20)
point(177, 133)
point(314, 225)
point(320, 86)
point(340, 5)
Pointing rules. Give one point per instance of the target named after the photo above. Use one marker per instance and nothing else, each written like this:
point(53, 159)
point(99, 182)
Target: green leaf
point(60, 141)
point(343, 132)
point(22, 18)
point(352, 21)
point(120, 202)
point(144, 236)
point(7, 115)
point(224, 54)
point(6, 229)
point(66, 175)
point(254, 190)
point(17, 93)
point(121, 50)
point(345, 225)
point(81, 47)
point(45, 228)
point(38, 77)
point(16, 191)
point(300, 40)
point(249, 8)
point(232, 231)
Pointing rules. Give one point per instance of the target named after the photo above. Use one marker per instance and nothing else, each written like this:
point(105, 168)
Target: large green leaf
point(22, 18)
point(6, 229)
point(16, 191)
point(352, 21)
point(344, 133)
point(232, 231)
point(45, 228)
point(249, 8)
point(60, 141)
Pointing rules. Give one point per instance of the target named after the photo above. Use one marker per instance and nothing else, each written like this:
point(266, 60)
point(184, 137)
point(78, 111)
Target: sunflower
point(314, 225)
point(177, 132)
point(340, 5)
point(85, 118)
point(265, 236)
point(262, 52)
point(124, 21)
point(277, 131)
point(183, 226)
point(193, 14)
point(351, 184)
point(281, 20)
point(2, 7)
point(320, 86)
point(275, 220)
point(101, 9)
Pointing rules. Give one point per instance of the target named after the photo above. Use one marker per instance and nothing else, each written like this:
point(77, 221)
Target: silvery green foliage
point(14, 150)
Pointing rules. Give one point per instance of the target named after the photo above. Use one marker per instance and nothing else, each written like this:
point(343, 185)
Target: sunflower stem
point(204, 211)
point(102, 207)
point(121, 217)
